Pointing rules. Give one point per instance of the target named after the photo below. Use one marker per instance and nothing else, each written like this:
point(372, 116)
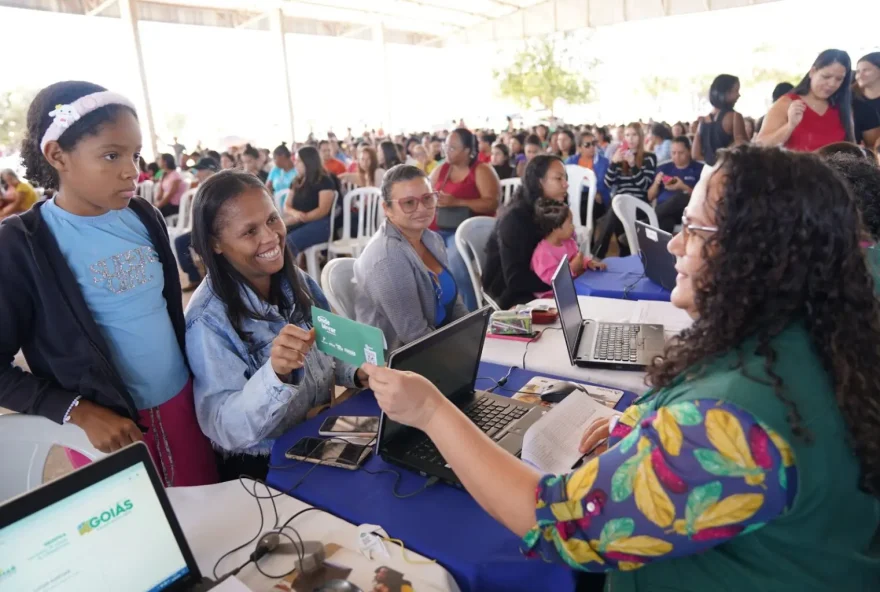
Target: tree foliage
point(542, 72)
point(13, 116)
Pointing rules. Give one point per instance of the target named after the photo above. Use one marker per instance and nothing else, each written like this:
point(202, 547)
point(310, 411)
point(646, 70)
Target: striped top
point(637, 182)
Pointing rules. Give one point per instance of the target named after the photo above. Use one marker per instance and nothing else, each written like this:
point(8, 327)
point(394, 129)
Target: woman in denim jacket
point(248, 327)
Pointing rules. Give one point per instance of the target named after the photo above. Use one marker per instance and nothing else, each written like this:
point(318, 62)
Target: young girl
point(89, 290)
point(555, 221)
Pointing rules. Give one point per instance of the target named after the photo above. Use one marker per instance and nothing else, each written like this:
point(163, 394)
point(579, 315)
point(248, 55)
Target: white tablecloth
point(548, 354)
point(218, 518)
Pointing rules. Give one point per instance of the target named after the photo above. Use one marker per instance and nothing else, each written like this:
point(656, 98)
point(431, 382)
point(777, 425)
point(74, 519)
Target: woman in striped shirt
point(631, 172)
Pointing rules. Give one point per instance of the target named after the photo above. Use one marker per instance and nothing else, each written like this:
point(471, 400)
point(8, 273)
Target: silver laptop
point(590, 343)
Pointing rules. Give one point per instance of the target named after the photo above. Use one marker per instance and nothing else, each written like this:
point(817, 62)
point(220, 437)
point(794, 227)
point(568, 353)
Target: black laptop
point(658, 261)
point(590, 343)
point(107, 526)
point(450, 358)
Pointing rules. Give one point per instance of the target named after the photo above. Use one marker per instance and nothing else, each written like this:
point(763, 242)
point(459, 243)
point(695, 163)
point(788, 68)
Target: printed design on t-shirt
point(124, 271)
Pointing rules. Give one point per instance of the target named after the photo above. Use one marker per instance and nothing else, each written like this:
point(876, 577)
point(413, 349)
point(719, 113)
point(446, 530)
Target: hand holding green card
point(347, 340)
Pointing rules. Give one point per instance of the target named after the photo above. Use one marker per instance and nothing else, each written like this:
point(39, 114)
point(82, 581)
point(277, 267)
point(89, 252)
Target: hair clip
point(64, 116)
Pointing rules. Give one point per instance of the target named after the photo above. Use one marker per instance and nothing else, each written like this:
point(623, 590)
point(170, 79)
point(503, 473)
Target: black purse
point(451, 217)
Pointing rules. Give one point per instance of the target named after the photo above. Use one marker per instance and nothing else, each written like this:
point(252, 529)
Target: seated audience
point(227, 161)
point(556, 225)
point(308, 209)
point(678, 129)
point(566, 144)
point(817, 112)
point(388, 155)
point(435, 149)
point(19, 197)
point(660, 142)
point(532, 149)
point(466, 188)
point(674, 183)
point(508, 277)
point(369, 173)
point(723, 127)
point(166, 196)
point(422, 161)
point(501, 161)
point(761, 413)
point(145, 174)
point(631, 172)
point(590, 157)
point(249, 336)
point(543, 133)
point(251, 162)
point(516, 144)
point(403, 282)
point(283, 173)
point(484, 147)
point(866, 100)
point(182, 244)
point(331, 164)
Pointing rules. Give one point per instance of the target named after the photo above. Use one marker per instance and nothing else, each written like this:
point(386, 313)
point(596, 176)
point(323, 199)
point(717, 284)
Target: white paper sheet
point(551, 444)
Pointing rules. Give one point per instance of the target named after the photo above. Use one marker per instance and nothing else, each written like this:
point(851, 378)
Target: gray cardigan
point(394, 291)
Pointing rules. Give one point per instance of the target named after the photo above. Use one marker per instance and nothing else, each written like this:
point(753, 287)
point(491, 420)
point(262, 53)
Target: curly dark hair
point(863, 177)
point(786, 250)
point(550, 215)
point(39, 171)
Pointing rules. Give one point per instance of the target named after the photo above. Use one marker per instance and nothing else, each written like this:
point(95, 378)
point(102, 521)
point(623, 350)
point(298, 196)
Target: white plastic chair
point(347, 186)
point(280, 197)
point(181, 223)
point(313, 266)
point(338, 283)
point(579, 176)
point(370, 216)
point(471, 238)
point(145, 190)
point(508, 189)
point(625, 207)
point(26, 441)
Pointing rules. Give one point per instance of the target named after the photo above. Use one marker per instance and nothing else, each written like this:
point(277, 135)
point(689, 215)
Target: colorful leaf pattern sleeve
point(676, 481)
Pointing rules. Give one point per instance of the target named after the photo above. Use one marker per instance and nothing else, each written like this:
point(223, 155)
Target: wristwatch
point(73, 405)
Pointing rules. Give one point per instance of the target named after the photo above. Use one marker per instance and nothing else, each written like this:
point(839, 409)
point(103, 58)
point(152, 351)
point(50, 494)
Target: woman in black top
point(631, 172)
point(508, 277)
point(866, 99)
point(250, 160)
point(723, 127)
point(388, 155)
point(501, 161)
point(308, 212)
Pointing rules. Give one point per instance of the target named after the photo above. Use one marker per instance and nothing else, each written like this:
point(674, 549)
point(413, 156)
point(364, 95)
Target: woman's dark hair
point(39, 171)
point(315, 171)
point(534, 140)
point(531, 190)
point(872, 58)
point(225, 281)
point(281, 150)
point(412, 140)
point(398, 174)
point(153, 167)
point(251, 151)
point(389, 154)
point(683, 140)
point(523, 139)
point(571, 137)
point(863, 176)
point(503, 148)
point(168, 161)
point(142, 164)
point(781, 89)
point(550, 215)
point(787, 251)
point(469, 142)
point(604, 136)
point(844, 148)
point(661, 131)
point(842, 97)
point(229, 156)
point(721, 86)
point(213, 154)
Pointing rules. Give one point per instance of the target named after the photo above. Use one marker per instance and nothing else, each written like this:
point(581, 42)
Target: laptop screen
point(569, 309)
point(449, 358)
point(111, 535)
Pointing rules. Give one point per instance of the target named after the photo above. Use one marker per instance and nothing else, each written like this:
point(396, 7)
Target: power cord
point(630, 287)
point(533, 340)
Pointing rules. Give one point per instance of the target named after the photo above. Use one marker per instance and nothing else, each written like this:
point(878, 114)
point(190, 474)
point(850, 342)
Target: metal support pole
point(127, 11)
point(384, 82)
point(276, 23)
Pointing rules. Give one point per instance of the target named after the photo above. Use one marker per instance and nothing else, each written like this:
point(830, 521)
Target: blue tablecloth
point(624, 279)
point(442, 522)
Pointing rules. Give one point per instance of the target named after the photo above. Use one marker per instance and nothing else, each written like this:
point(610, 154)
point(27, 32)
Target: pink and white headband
point(66, 115)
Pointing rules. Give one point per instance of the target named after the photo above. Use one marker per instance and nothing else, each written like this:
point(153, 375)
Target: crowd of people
point(753, 459)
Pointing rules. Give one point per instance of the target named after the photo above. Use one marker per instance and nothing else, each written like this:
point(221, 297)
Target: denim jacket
point(241, 404)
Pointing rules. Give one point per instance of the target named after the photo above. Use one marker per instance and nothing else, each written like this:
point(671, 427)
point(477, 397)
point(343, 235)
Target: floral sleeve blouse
point(675, 482)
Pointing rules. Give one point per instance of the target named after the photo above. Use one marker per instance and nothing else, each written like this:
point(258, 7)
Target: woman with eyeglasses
point(404, 285)
point(753, 463)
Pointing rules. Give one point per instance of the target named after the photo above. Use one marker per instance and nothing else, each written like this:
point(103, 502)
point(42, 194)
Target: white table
point(218, 518)
point(549, 355)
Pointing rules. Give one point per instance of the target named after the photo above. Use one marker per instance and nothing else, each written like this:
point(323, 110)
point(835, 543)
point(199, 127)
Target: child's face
point(101, 170)
point(567, 230)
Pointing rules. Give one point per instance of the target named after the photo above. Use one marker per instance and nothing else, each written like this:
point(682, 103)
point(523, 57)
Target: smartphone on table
point(359, 426)
point(333, 453)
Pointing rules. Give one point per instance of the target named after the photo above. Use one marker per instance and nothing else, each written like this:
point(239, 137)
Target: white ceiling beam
point(482, 15)
point(252, 21)
point(100, 8)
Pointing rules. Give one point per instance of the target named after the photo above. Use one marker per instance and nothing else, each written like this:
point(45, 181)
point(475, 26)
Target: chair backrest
point(347, 186)
point(368, 201)
point(280, 197)
point(625, 207)
point(145, 190)
point(25, 441)
point(508, 189)
point(337, 280)
point(471, 238)
point(184, 214)
point(579, 176)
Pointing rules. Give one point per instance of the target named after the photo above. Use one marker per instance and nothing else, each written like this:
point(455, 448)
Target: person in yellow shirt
point(18, 198)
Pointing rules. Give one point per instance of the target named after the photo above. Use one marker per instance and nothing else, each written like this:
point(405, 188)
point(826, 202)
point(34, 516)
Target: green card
point(347, 340)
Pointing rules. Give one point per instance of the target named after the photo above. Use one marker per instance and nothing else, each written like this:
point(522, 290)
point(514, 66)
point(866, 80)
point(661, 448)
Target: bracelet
point(357, 381)
point(73, 404)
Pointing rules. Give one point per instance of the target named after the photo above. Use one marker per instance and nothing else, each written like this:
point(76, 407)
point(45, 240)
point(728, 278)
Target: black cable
point(498, 383)
point(629, 288)
point(536, 338)
point(397, 477)
point(259, 532)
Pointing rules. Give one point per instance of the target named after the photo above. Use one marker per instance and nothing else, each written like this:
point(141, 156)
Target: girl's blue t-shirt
point(121, 278)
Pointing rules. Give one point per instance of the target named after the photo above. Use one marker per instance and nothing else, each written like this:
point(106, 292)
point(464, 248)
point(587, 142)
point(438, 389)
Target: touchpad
point(512, 443)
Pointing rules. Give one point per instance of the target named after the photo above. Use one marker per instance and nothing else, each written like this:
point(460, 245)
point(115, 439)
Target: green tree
point(657, 86)
point(13, 116)
point(540, 73)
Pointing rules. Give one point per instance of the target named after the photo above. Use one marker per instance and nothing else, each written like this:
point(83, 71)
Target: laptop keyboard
point(489, 415)
point(617, 343)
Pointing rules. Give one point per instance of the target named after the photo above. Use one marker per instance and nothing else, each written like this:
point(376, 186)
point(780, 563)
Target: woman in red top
point(463, 182)
point(817, 112)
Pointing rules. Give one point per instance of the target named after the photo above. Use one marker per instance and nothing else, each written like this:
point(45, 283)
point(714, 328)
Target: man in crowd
point(332, 165)
point(202, 170)
point(674, 183)
point(589, 157)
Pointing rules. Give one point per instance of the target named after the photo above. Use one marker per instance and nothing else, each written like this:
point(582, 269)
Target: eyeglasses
point(587, 144)
point(410, 204)
point(687, 229)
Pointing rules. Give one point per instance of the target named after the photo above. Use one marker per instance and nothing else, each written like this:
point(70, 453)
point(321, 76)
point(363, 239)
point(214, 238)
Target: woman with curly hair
point(753, 463)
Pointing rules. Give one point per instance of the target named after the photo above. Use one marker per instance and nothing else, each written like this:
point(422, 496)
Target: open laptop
point(450, 358)
point(658, 261)
point(619, 346)
point(107, 526)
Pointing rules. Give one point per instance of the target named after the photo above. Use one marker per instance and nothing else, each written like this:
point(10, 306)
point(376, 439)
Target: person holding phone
point(674, 183)
point(249, 335)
